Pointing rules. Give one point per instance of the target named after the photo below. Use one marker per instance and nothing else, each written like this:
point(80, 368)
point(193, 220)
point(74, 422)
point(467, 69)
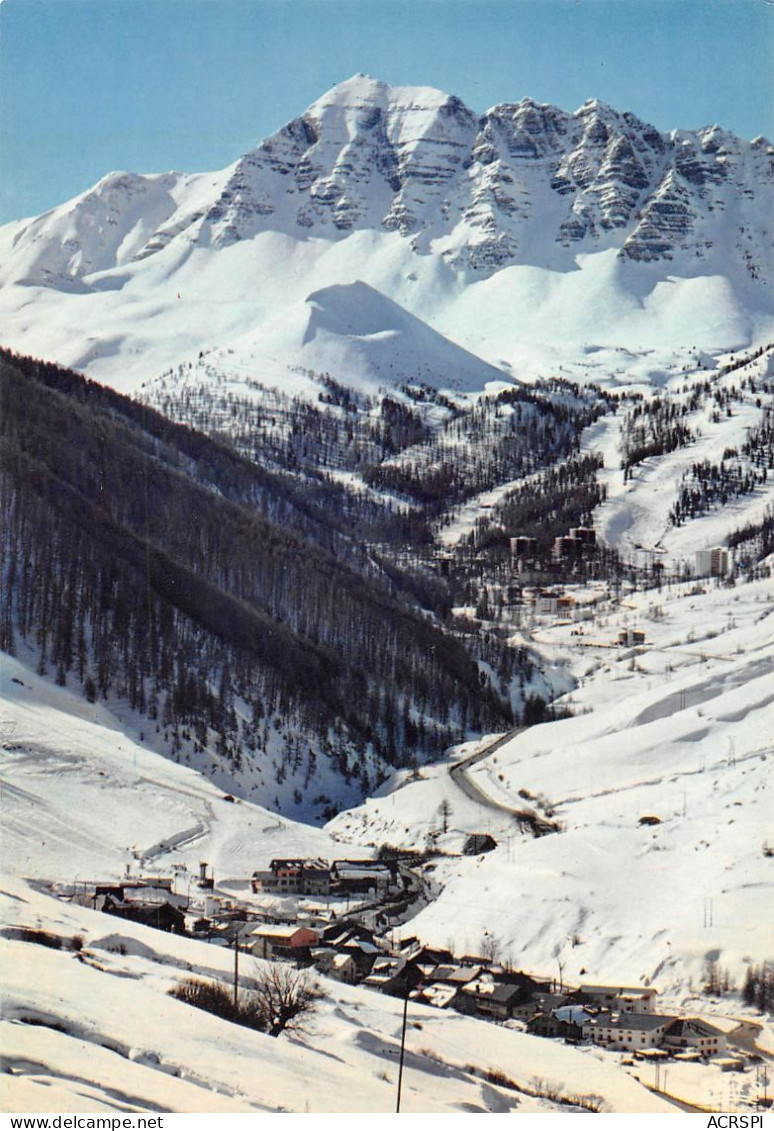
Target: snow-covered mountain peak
point(354, 309)
point(363, 90)
point(595, 107)
point(454, 215)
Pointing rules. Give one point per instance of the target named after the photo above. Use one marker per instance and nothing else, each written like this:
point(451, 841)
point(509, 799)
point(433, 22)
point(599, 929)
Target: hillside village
point(349, 920)
point(323, 898)
point(326, 918)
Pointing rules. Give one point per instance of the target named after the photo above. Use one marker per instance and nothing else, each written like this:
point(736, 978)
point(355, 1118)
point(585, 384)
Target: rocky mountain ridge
point(523, 183)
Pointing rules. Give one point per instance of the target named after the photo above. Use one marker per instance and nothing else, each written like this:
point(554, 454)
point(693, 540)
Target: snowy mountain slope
point(386, 341)
point(524, 235)
point(683, 466)
point(109, 226)
point(218, 605)
point(417, 161)
point(105, 800)
point(635, 517)
point(80, 798)
point(679, 730)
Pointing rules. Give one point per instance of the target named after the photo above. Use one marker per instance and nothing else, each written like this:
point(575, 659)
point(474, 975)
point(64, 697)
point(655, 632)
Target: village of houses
point(337, 918)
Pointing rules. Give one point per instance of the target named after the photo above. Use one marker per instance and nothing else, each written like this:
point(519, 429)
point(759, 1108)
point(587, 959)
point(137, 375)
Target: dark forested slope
point(147, 564)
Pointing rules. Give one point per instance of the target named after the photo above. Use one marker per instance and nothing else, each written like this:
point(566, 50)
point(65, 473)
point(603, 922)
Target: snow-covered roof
point(494, 991)
point(298, 864)
point(341, 960)
point(154, 895)
point(574, 1014)
point(278, 932)
point(360, 868)
point(643, 1022)
point(619, 991)
point(362, 945)
point(693, 1026)
point(438, 994)
point(458, 974)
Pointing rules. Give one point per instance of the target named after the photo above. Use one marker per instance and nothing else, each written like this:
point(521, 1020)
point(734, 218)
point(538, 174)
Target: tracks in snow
point(183, 839)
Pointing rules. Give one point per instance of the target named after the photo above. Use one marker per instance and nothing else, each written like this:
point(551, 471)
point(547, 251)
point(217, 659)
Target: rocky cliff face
point(498, 189)
point(524, 183)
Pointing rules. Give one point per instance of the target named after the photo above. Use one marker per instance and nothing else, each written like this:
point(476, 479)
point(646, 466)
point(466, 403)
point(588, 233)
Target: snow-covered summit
point(543, 222)
point(365, 90)
point(417, 161)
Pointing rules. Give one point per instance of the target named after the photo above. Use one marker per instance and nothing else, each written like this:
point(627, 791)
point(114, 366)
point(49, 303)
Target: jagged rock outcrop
point(418, 162)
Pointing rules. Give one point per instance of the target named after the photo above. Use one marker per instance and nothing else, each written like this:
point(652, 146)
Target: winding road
point(527, 819)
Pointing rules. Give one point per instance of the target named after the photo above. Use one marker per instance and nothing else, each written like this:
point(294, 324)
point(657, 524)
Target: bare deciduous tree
point(489, 947)
point(281, 998)
point(284, 998)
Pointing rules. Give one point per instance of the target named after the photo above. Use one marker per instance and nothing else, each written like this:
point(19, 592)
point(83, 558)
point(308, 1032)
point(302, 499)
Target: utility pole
point(236, 967)
point(402, 1046)
point(761, 1082)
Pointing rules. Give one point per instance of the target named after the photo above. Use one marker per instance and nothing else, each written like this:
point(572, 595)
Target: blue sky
point(89, 86)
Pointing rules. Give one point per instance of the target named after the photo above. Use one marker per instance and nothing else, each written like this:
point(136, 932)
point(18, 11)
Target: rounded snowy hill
point(355, 335)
